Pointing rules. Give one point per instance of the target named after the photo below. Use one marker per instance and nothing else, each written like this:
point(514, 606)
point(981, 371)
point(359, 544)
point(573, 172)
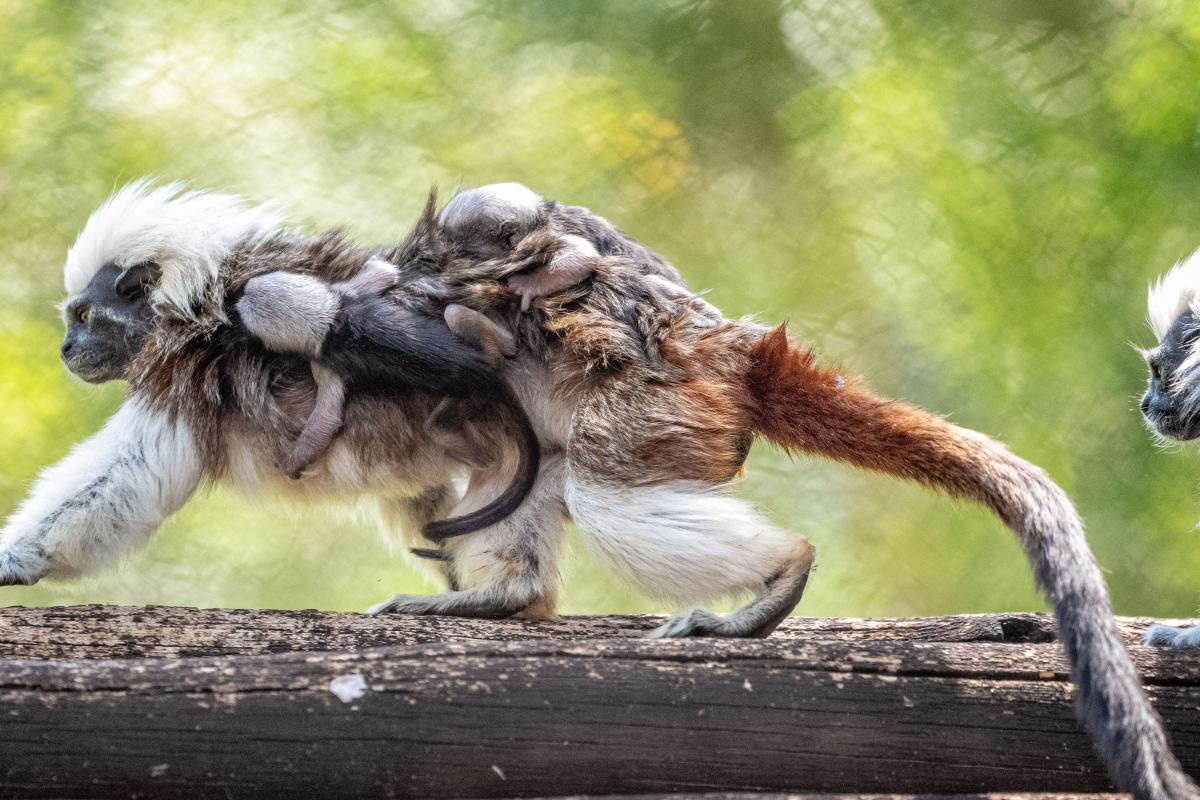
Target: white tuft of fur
point(187, 233)
point(680, 541)
point(103, 500)
point(578, 247)
point(376, 277)
point(288, 312)
point(1173, 294)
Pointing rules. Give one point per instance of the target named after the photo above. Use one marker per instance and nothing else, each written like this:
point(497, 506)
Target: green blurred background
point(964, 201)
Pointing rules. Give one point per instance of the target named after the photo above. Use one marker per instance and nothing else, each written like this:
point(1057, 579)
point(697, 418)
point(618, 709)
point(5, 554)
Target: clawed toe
point(697, 622)
point(400, 604)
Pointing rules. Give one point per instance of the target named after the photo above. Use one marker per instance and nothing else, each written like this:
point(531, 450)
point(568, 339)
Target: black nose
point(1145, 404)
point(66, 347)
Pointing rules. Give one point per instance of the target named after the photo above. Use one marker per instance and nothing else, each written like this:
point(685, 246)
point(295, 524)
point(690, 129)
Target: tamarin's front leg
point(509, 568)
point(322, 424)
point(103, 500)
point(551, 263)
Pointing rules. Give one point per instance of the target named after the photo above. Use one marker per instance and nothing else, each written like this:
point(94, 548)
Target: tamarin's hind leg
point(688, 541)
point(509, 568)
point(782, 592)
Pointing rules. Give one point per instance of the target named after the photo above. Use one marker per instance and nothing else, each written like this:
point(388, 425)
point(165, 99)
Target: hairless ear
point(133, 282)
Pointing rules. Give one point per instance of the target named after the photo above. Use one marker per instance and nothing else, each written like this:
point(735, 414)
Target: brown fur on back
point(231, 391)
point(659, 393)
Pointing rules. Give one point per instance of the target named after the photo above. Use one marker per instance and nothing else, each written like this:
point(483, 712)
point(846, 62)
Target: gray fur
point(491, 219)
point(1170, 636)
point(1126, 730)
point(289, 313)
point(376, 277)
point(555, 246)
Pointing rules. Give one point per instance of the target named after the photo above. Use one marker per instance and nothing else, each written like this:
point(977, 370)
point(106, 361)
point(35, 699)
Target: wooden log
point(158, 631)
point(778, 796)
point(503, 709)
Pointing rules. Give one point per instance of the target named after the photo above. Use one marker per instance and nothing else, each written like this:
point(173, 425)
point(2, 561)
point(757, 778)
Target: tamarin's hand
point(546, 263)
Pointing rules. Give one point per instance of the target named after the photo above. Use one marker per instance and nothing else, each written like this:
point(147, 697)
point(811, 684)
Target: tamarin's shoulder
point(330, 256)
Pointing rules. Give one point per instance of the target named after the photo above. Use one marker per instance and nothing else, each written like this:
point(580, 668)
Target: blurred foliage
point(962, 200)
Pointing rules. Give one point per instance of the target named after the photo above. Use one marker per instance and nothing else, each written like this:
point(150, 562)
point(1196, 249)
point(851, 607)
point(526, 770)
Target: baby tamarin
point(352, 334)
point(550, 246)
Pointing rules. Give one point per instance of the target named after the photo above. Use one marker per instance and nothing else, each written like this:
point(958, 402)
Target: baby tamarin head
point(511, 221)
point(489, 221)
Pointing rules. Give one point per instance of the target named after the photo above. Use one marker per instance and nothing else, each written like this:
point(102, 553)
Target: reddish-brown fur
point(805, 407)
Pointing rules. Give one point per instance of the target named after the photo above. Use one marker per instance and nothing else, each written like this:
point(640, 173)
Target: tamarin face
point(146, 252)
point(107, 322)
point(1171, 404)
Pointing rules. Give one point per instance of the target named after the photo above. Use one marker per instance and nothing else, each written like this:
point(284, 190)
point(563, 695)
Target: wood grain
point(158, 631)
point(578, 707)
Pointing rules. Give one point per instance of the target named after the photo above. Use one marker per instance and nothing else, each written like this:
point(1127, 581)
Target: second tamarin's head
point(1171, 403)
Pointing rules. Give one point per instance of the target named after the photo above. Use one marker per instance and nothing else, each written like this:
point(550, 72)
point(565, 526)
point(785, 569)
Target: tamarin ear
point(134, 282)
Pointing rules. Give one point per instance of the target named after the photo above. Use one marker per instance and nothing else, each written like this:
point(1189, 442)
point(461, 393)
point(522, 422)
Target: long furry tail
point(809, 409)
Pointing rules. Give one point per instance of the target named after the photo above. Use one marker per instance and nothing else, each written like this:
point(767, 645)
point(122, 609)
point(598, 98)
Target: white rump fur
point(674, 540)
point(186, 233)
point(290, 313)
point(1173, 294)
point(103, 500)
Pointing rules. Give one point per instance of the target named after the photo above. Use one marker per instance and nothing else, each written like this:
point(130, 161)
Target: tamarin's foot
point(1170, 636)
point(551, 266)
point(472, 603)
point(696, 622)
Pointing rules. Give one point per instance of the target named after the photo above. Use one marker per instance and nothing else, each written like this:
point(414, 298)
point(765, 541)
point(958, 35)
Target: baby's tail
point(514, 494)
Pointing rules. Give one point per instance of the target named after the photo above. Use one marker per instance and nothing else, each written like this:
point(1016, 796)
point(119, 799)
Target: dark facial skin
point(1163, 404)
point(107, 322)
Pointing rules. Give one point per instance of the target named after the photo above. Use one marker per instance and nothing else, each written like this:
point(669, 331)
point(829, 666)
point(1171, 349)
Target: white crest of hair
point(494, 202)
point(187, 233)
point(1173, 294)
point(289, 312)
